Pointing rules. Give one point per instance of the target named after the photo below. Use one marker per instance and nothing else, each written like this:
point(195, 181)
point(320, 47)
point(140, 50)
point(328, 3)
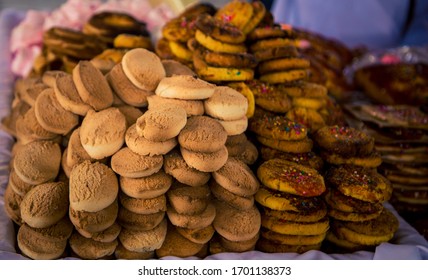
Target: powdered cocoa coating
point(202, 134)
point(176, 245)
point(237, 201)
point(142, 146)
point(52, 116)
point(134, 221)
point(60, 231)
point(18, 186)
point(192, 107)
point(129, 164)
point(235, 224)
point(92, 86)
point(192, 221)
point(188, 200)
point(144, 240)
point(38, 162)
point(108, 235)
point(226, 104)
point(142, 205)
point(205, 162)
point(143, 68)
point(39, 248)
point(45, 204)
point(146, 187)
point(68, 96)
point(87, 248)
point(161, 123)
point(29, 129)
point(103, 133)
point(95, 221)
point(237, 177)
point(175, 165)
point(125, 89)
point(93, 186)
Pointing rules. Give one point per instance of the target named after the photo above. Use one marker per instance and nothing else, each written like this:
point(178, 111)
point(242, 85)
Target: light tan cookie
point(188, 200)
point(235, 127)
point(28, 129)
point(205, 162)
point(133, 221)
point(87, 248)
point(18, 185)
point(143, 68)
point(108, 235)
point(202, 134)
point(75, 152)
point(237, 201)
point(143, 205)
point(93, 186)
point(192, 107)
point(92, 86)
point(203, 219)
point(200, 235)
point(176, 166)
point(161, 123)
point(226, 104)
point(67, 95)
point(144, 240)
point(12, 202)
point(146, 187)
point(94, 221)
point(185, 87)
point(121, 253)
point(103, 133)
point(45, 204)
point(126, 163)
point(174, 67)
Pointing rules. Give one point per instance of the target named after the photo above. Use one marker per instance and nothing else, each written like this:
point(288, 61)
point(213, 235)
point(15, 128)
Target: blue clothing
point(376, 24)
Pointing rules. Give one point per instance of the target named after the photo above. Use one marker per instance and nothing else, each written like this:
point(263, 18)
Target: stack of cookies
point(294, 215)
point(356, 190)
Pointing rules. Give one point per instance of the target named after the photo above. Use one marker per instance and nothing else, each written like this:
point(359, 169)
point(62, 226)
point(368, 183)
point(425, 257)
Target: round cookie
point(93, 187)
point(304, 216)
point(12, 202)
point(94, 221)
point(108, 235)
point(200, 235)
point(176, 166)
point(121, 253)
point(236, 177)
point(60, 231)
point(126, 163)
point(143, 205)
point(288, 146)
point(194, 221)
point(309, 159)
point(290, 177)
point(222, 194)
point(360, 183)
point(140, 222)
point(37, 162)
point(352, 216)
point(295, 228)
point(75, 152)
point(92, 86)
point(146, 187)
point(67, 95)
point(205, 162)
point(346, 141)
point(173, 67)
point(144, 240)
point(237, 13)
point(235, 127)
point(45, 204)
point(234, 224)
point(293, 239)
point(202, 134)
point(284, 76)
point(142, 146)
point(267, 246)
point(370, 161)
point(185, 87)
point(18, 185)
point(188, 200)
point(239, 246)
point(219, 30)
point(103, 133)
point(269, 98)
point(87, 248)
point(161, 123)
point(345, 203)
point(192, 107)
point(215, 45)
point(28, 129)
point(226, 104)
point(143, 68)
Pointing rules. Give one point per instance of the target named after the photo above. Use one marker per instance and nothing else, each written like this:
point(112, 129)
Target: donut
point(126, 163)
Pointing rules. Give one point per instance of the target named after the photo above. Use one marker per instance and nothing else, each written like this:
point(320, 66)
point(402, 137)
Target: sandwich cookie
point(126, 163)
point(143, 68)
point(176, 166)
point(93, 187)
point(161, 123)
point(92, 86)
point(37, 162)
point(142, 146)
point(146, 187)
point(45, 204)
point(67, 95)
point(185, 87)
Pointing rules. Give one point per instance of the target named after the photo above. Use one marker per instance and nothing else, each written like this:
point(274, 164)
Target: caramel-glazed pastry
point(290, 177)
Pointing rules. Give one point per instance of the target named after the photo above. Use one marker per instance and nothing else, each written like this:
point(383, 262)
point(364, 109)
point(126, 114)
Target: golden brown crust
point(309, 216)
point(232, 60)
point(289, 146)
point(268, 246)
point(370, 161)
point(268, 97)
point(288, 239)
point(220, 30)
point(238, 13)
point(309, 159)
point(281, 64)
point(307, 117)
point(275, 53)
point(337, 200)
point(284, 76)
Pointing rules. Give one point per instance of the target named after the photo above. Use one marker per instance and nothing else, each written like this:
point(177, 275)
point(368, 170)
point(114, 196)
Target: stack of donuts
point(356, 190)
point(121, 165)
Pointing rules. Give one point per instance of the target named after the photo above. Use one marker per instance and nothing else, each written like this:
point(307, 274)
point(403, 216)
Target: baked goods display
point(212, 141)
